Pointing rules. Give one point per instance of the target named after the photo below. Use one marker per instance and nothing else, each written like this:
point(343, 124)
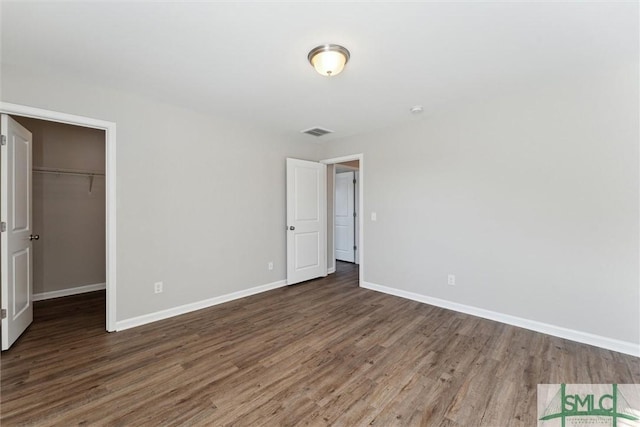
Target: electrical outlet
point(374, 216)
point(157, 287)
point(270, 265)
point(451, 280)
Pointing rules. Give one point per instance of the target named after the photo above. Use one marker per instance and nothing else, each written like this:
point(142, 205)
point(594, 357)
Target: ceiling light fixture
point(416, 109)
point(329, 59)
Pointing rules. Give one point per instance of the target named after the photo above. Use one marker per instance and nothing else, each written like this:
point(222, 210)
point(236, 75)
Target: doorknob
point(34, 237)
point(291, 227)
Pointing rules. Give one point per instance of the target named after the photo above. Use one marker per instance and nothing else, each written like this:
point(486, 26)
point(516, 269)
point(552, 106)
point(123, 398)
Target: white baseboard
point(545, 328)
point(187, 308)
point(69, 291)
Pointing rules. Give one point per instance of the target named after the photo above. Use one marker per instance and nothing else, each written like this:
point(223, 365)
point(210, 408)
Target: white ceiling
point(248, 60)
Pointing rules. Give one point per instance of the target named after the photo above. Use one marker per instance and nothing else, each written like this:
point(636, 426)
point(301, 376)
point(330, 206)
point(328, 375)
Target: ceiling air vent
point(317, 131)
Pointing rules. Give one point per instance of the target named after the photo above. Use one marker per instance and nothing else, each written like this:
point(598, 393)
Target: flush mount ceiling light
point(329, 59)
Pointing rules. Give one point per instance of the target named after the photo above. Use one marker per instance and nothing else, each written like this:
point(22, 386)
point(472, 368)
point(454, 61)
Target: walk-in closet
point(68, 208)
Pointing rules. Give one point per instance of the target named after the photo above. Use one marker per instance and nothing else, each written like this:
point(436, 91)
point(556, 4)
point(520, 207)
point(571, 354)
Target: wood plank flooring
point(320, 353)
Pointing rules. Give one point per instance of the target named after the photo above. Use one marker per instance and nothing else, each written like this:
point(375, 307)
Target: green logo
point(588, 404)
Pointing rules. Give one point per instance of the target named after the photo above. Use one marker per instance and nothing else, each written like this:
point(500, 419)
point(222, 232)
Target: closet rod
point(67, 171)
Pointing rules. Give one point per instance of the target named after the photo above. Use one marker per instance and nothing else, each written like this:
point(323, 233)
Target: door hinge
point(354, 214)
point(4, 140)
point(355, 248)
point(3, 313)
point(3, 226)
point(354, 181)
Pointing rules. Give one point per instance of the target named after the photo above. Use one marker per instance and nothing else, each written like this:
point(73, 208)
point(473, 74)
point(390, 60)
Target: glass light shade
point(329, 60)
point(328, 63)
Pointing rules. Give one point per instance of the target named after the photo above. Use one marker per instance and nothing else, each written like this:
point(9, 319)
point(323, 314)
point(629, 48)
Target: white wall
point(201, 201)
point(529, 197)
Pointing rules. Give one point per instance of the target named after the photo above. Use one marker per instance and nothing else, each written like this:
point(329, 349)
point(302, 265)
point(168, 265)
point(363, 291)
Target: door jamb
point(110, 180)
point(360, 158)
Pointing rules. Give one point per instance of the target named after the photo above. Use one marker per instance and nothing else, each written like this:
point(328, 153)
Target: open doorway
point(68, 209)
point(345, 211)
point(344, 206)
point(88, 179)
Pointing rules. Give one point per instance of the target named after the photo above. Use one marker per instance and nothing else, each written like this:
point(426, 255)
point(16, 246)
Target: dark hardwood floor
point(320, 353)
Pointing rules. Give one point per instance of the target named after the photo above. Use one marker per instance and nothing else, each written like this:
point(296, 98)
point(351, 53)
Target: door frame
point(110, 187)
point(333, 161)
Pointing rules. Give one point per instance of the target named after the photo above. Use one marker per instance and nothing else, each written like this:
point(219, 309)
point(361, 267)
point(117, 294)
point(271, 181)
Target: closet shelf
point(58, 171)
point(76, 172)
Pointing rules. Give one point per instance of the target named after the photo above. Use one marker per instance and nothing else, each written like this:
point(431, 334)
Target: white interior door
point(15, 239)
point(345, 217)
point(306, 220)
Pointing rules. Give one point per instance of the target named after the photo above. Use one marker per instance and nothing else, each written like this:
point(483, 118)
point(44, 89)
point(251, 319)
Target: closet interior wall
point(68, 209)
